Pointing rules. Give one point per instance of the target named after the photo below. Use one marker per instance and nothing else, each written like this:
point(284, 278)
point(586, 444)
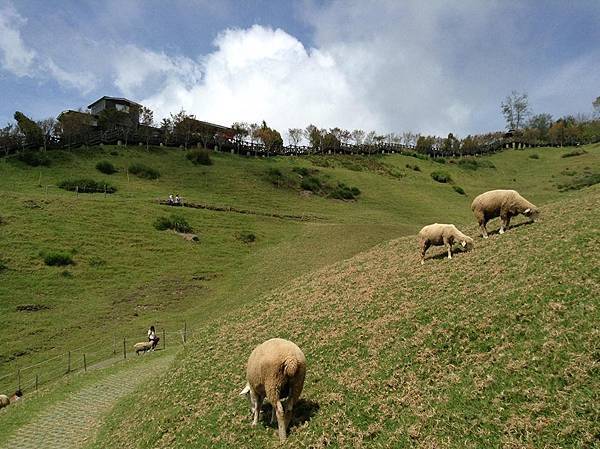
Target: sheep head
point(532, 213)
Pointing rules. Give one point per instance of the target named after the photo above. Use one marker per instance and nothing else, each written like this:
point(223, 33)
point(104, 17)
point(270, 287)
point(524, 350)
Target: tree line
point(183, 129)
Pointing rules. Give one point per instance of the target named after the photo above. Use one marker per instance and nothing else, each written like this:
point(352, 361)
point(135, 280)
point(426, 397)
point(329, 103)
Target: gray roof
point(116, 99)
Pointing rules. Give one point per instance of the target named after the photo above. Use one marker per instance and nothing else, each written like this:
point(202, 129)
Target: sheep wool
point(142, 347)
point(276, 371)
point(501, 203)
point(4, 401)
point(439, 234)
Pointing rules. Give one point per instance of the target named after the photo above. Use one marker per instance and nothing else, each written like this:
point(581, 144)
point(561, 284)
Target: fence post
point(36, 382)
point(76, 190)
point(184, 332)
point(104, 190)
point(164, 339)
point(19, 379)
point(114, 345)
point(84, 364)
point(69, 362)
point(124, 349)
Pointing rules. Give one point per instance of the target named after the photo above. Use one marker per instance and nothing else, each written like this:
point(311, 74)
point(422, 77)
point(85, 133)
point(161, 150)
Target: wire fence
point(95, 355)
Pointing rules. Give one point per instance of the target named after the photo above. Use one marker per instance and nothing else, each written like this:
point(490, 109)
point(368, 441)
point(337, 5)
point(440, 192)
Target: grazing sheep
point(503, 203)
point(276, 370)
point(442, 234)
point(4, 401)
point(143, 346)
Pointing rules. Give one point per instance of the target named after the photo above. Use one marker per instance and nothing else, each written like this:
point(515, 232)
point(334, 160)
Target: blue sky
point(392, 66)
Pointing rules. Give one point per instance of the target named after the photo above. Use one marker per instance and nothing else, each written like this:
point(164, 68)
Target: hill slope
point(496, 348)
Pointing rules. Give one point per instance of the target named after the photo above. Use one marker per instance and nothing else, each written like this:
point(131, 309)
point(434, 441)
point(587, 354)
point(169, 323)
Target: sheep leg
point(483, 229)
point(504, 226)
point(281, 421)
point(257, 407)
point(424, 247)
point(449, 250)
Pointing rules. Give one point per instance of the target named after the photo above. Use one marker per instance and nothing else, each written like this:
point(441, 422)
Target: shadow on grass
point(304, 410)
point(512, 226)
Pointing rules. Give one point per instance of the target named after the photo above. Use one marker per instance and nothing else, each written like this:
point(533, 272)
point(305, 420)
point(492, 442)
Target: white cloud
point(19, 59)
point(15, 56)
point(260, 73)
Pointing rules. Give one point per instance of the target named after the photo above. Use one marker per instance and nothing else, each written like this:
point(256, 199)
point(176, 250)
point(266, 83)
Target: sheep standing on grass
point(143, 346)
point(442, 234)
point(4, 401)
point(503, 203)
point(276, 370)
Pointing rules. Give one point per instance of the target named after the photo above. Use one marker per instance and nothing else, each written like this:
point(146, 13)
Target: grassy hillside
point(128, 275)
point(496, 348)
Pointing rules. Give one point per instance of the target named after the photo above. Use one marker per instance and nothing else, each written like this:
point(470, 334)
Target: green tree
point(270, 138)
point(515, 109)
point(30, 130)
point(48, 127)
point(146, 124)
point(541, 122)
point(596, 106)
point(314, 136)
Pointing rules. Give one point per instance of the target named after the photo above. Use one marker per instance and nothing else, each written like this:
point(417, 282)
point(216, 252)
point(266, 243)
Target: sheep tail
point(290, 366)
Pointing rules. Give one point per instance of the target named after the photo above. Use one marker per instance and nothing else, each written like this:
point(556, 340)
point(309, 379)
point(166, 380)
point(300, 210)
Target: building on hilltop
point(119, 104)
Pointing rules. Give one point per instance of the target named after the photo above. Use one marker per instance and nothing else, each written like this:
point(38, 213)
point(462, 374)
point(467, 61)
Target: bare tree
point(515, 109)
point(358, 135)
point(146, 124)
point(596, 106)
point(295, 136)
point(48, 127)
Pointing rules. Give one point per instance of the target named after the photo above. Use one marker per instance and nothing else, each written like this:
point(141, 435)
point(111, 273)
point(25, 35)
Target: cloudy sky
point(391, 66)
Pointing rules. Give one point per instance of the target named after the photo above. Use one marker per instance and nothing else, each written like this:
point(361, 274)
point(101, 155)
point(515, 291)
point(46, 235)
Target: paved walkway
point(73, 422)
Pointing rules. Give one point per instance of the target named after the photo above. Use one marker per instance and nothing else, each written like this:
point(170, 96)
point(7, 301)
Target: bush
point(574, 153)
point(86, 185)
point(57, 259)
point(199, 157)
point(311, 183)
point(279, 179)
point(343, 192)
point(247, 237)
point(534, 156)
point(175, 222)
point(474, 164)
point(106, 167)
point(585, 180)
point(3, 267)
point(459, 190)
point(143, 171)
point(305, 171)
point(441, 176)
point(34, 158)
point(413, 167)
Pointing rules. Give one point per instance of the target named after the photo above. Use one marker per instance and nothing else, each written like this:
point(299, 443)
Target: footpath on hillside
point(74, 421)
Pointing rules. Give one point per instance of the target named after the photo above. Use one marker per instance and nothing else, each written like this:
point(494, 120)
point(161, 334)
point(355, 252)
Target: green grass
point(154, 277)
point(496, 348)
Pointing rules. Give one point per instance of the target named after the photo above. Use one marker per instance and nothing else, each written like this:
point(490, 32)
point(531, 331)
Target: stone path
point(73, 422)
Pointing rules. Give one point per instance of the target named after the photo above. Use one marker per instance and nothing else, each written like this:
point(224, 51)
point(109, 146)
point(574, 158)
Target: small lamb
point(276, 370)
point(503, 203)
point(442, 234)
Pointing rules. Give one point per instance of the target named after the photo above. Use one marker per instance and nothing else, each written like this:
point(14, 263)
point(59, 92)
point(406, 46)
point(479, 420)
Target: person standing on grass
point(152, 337)
point(170, 201)
point(177, 200)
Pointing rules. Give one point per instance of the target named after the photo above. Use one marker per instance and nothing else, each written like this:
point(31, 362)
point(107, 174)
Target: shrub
point(413, 167)
point(474, 164)
point(97, 262)
point(57, 259)
point(585, 180)
point(534, 156)
point(247, 237)
point(175, 222)
point(305, 171)
point(2, 220)
point(86, 185)
point(143, 171)
point(3, 267)
point(34, 158)
point(311, 183)
point(439, 160)
point(114, 153)
point(574, 153)
point(459, 189)
point(106, 167)
point(343, 192)
point(279, 179)
point(441, 176)
point(199, 157)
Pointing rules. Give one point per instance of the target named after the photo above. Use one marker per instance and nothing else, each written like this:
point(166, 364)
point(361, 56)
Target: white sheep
point(276, 370)
point(143, 346)
point(503, 203)
point(438, 234)
point(4, 401)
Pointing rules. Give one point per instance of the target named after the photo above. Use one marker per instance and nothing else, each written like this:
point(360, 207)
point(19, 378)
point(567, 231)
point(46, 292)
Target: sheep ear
point(246, 390)
point(527, 210)
point(464, 243)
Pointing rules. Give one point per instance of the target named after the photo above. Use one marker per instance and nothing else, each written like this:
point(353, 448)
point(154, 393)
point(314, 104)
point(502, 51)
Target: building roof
point(116, 99)
point(224, 128)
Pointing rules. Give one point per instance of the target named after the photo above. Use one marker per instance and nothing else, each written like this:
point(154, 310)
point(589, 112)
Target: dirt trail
point(73, 422)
